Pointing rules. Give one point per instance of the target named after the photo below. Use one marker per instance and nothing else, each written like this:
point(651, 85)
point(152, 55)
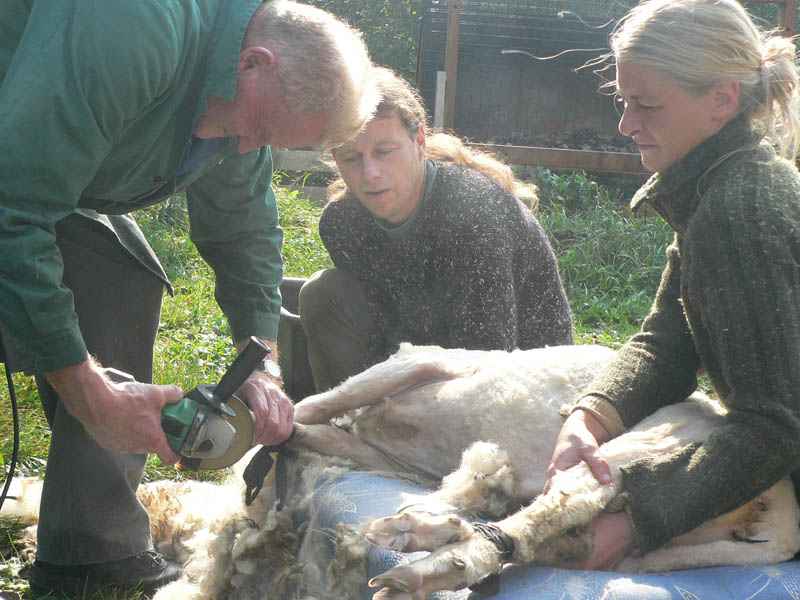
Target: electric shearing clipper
point(210, 427)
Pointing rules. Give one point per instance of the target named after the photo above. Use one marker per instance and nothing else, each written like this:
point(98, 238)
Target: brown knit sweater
point(729, 302)
point(474, 268)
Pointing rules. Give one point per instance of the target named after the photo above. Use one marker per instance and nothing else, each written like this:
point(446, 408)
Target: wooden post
point(787, 14)
point(788, 17)
point(438, 103)
point(451, 62)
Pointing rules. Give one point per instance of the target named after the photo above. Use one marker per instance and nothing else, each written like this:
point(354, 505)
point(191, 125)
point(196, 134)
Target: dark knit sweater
point(474, 269)
point(729, 302)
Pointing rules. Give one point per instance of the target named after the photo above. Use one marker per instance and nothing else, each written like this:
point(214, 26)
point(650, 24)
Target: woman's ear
point(725, 100)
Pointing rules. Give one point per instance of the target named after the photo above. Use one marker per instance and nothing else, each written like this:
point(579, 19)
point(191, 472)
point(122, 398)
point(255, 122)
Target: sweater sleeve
point(342, 234)
point(658, 365)
point(743, 290)
point(68, 91)
point(355, 246)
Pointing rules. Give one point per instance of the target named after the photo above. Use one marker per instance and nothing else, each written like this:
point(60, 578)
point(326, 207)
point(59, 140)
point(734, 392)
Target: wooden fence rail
point(623, 164)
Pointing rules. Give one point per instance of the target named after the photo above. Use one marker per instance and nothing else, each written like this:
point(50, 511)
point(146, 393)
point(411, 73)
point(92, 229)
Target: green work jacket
point(97, 105)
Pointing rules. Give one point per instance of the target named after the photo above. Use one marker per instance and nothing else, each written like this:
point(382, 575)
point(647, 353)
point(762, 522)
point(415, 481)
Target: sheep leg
point(375, 384)
point(573, 500)
point(482, 483)
point(449, 568)
point(333, 441)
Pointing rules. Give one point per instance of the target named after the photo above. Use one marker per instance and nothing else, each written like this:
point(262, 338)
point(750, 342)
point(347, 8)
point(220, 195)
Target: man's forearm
point(74, 385)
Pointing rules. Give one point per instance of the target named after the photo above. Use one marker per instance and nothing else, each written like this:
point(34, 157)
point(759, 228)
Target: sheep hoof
point(747, 540)
point(392, 533)
point(390, 594)
point(398, 542)
point(402, 578)
point(414, 530)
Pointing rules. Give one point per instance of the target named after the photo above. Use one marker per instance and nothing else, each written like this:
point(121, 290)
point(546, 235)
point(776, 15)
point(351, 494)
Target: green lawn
point(611, 262)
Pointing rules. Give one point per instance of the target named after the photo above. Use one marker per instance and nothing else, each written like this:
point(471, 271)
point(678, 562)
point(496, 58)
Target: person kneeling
point(432, 244)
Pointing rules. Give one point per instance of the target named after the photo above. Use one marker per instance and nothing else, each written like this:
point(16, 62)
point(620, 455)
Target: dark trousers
point(338, 324)
point(89, 511)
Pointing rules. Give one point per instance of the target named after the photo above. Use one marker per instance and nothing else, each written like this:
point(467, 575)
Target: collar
point(399, 232)
point(675, 193)
point(200, 150)
point(230, 23)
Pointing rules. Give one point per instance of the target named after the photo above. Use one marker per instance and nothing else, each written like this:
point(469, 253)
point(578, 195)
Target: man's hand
point(579, 440)
point(273, 410)
point(122, 417)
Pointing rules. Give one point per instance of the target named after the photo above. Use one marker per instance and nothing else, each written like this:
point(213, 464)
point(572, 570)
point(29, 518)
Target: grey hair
point(699, 43)
point(323, 65)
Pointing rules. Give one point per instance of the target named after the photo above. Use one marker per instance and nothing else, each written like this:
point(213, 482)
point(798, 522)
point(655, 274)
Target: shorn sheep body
point(504, 410)
point(480, 425)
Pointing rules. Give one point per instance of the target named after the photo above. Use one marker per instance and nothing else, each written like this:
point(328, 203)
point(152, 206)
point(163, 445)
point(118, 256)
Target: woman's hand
point(579, 440)
point(613, 539)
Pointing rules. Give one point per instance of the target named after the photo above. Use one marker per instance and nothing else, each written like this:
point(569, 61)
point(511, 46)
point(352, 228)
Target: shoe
point(144, 572)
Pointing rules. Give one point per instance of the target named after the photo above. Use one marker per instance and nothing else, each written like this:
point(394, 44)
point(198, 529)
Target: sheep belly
point(513, 399)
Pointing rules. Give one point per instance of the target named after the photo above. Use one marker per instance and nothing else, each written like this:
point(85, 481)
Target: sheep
point(481, 425)
point(427, 404)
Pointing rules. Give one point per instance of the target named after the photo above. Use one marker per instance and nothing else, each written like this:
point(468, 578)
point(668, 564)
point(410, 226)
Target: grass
point(611, 263)
point(610, 259)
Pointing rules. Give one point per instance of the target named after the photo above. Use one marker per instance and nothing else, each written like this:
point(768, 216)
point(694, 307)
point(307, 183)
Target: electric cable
point(15, 451)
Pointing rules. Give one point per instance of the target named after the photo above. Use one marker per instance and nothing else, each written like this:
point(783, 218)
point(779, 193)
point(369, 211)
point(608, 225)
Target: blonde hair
point(698, 43)
point(398, 98)
point(323, 65)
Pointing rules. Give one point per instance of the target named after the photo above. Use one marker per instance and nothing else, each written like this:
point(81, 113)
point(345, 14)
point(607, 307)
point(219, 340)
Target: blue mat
point(356, 498)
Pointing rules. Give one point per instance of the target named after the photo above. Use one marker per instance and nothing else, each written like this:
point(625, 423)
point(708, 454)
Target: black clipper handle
point(250, 358)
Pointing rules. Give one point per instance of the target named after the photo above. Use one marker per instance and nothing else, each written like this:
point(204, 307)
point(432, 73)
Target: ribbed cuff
point(603, 411)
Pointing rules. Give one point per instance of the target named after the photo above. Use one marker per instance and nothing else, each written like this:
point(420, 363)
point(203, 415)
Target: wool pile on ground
point(231, 551)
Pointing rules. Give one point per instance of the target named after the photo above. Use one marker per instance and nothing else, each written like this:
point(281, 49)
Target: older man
point(106, 107)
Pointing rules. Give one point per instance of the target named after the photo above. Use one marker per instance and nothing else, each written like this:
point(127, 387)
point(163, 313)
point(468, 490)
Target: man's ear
point(256, 57)
point(420, 141)
point(725, 100)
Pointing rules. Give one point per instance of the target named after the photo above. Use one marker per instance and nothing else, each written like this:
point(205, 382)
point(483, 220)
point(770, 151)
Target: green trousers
point(89, 511)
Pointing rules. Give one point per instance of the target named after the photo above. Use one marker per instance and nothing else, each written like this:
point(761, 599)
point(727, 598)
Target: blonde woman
point(432, 245)
point(711, 102)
